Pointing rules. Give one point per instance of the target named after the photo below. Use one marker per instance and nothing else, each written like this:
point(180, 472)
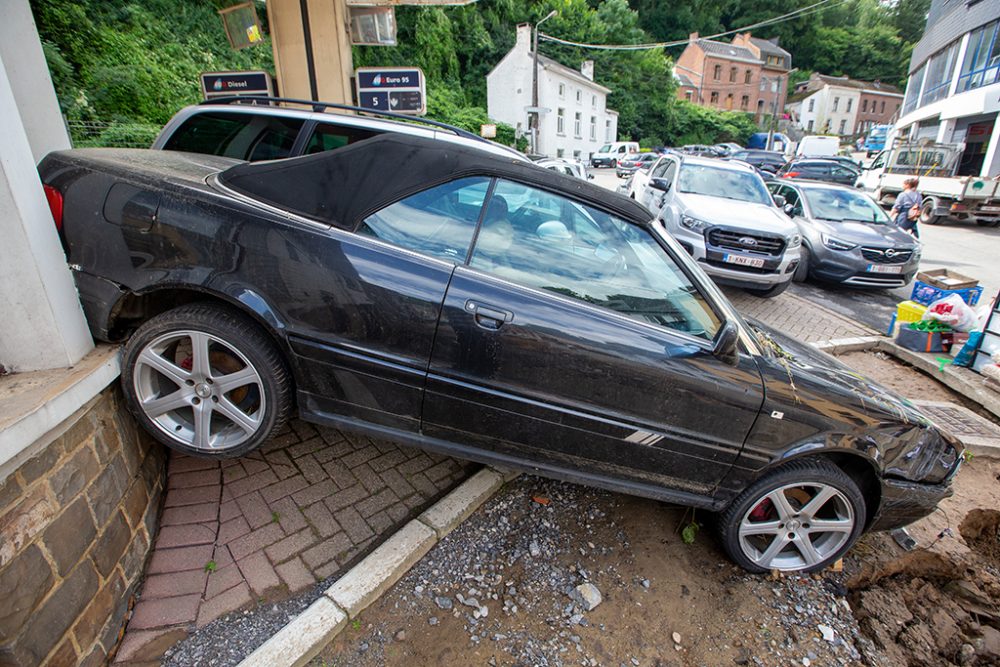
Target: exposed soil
point(503, 588)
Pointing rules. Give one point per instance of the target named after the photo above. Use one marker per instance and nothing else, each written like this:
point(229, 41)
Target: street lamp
point(534, 84)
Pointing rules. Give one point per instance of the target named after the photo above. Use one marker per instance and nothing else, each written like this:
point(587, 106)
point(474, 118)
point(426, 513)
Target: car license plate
point(755, 262)
point(882, 268)
point(990, 209)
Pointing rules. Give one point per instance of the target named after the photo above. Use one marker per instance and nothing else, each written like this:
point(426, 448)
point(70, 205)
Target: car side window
point(238, 135)
point(661, 167)
point(791, 196)
point(670, 171)
point(841, 172)
point(546, 241)
point(328, 137)
point(438, 222)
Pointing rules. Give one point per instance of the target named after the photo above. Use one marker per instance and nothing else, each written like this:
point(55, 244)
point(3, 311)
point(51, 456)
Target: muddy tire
point(927, 215)
point(205, 380)
point(801, 517)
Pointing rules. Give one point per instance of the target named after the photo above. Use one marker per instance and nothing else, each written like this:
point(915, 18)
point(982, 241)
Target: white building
point(953, 92)
point(842, 106)
point(574, 121)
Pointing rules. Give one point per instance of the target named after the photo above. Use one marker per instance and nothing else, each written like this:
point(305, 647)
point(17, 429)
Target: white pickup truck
point(945, 194)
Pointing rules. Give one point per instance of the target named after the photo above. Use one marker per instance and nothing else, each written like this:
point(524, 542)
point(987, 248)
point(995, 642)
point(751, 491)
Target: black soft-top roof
point(342, 186)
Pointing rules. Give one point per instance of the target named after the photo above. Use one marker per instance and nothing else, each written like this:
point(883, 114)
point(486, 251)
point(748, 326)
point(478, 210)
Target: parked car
point(635, 161)
point(435, 295)
point(817, 146)
point(766, 160)
point(231, 127)
point(572, 168)
point(726, 149)
point(701, 150)
point(610, 154)
point(847, 237)
point(827, 170)
point(723, 215)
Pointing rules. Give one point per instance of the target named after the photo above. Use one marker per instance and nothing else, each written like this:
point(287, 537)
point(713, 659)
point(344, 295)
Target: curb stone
point(305, 636)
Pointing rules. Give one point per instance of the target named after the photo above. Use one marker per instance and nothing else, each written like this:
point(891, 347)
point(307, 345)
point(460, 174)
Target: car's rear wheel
point(927, 215)
point(773, 290)
point(205, 380)
point(800, 518)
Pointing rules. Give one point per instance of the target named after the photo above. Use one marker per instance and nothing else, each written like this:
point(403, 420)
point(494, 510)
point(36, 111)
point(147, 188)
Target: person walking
point(906, 210)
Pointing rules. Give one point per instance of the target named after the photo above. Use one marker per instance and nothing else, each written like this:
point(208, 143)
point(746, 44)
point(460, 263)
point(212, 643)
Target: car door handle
point(488, 317)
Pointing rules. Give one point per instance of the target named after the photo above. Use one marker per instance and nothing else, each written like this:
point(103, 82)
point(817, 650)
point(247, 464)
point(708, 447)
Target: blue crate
point(927, 294)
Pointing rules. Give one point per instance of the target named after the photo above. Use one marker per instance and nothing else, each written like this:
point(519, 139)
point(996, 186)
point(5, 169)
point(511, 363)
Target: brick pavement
point(798, 317)
point(260, 528)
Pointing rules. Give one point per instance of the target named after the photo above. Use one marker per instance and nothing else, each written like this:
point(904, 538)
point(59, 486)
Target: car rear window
point(238, 135)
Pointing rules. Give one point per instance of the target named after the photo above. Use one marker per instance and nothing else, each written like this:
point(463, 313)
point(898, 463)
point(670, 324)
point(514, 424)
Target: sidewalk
point(798, 317)
point(260, 528)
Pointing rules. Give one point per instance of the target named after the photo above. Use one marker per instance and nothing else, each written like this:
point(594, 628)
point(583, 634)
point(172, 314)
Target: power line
point(798, 13)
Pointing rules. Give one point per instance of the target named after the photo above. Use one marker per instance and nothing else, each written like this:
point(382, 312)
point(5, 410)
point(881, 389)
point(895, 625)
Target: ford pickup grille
point(754, 243)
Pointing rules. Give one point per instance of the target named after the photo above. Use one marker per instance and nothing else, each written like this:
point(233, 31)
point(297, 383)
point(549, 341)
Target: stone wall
point(76, 524)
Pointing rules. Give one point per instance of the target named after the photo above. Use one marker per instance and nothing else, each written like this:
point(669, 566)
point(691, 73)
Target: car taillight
point(790, 174)
point(55, 200)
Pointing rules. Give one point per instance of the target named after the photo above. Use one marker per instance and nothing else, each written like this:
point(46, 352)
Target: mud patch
point(981, 530)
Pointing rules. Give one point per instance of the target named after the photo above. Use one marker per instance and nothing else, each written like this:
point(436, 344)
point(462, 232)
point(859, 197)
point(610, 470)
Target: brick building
point(745, 75)
point(843, 106)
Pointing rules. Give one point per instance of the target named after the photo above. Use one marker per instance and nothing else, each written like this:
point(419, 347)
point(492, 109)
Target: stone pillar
point(42, 324)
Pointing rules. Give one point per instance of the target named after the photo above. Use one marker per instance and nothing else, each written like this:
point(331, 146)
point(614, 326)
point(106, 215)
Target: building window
point(812, 105)
point(562, 90)
point(883, 107)
point(593, 128)
point(775, 61)
point(864, 106)
point(607, 130)
point(940, 72)
point(577, 125)
point(576, 155)
point(560, 152)
point(714, 98)
point(749, 76)
point(717, 72)
point(729, 101)
point(732, 75)
point(593, 101)
point(836, 103)
point(745, 102)
point(843, 126)
point(809, 126)
point(760, 106)
point(850, 103)
point(688, 94)
point(560, 121)
point(981, 65)
point(579, 96)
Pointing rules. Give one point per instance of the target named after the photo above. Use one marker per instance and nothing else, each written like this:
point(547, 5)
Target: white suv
point(724, 216)
point(232, 128)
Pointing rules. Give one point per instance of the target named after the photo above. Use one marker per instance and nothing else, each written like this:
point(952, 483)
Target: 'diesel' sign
point(400, 89)
point(224, 84)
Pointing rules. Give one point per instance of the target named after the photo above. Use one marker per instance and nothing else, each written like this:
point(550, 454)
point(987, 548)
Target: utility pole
point(536, 115)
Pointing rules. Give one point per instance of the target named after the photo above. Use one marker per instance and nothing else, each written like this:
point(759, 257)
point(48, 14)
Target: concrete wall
point(76, 523)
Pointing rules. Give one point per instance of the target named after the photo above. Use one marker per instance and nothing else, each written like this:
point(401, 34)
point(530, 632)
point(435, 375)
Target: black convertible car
point(442, 297)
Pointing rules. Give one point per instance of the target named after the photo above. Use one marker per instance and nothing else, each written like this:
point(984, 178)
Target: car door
point(577, 342)
point(842, 175)
point(652, 198)
point(363, 307)
point(870, 178)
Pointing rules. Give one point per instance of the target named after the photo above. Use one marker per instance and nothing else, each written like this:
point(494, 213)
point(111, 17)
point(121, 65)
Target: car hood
point(813, 401)
point(865, 234)
point(735, 213)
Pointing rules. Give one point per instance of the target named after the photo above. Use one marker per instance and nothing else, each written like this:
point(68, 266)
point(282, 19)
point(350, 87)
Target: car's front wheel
point(800, 518)
point(802, 270)
point(205, 380)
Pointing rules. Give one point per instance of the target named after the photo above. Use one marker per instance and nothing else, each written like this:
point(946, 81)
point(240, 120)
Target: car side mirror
point(660, 184)
point(726, 344)
point(779, 200)
point(789, 210)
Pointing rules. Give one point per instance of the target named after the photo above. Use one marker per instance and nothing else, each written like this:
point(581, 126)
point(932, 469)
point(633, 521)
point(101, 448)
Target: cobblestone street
point(273, 523)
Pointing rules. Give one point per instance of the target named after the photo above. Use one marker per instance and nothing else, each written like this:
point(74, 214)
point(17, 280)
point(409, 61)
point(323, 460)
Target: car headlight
point(795, 241)
point(694, 224)
point(836, 244)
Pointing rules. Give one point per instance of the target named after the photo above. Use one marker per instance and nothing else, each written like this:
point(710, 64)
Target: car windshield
point(606, 148)
point(837, 205)
point(729, 183)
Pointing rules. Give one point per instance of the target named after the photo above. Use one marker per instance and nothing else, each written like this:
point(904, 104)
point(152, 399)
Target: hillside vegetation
point(122, 67)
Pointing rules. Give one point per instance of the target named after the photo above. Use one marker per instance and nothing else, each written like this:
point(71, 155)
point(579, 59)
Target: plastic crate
point(906, 311)
point(927, 294)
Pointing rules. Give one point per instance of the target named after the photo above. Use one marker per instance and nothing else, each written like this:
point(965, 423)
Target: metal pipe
point(534, 83)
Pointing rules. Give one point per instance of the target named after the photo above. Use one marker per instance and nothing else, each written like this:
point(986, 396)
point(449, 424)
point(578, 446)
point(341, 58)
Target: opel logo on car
point(748, 241)
point(890, 253)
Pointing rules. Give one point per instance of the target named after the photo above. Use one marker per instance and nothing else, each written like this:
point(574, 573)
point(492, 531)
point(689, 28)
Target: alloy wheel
point(199, 390)
point(796, 526)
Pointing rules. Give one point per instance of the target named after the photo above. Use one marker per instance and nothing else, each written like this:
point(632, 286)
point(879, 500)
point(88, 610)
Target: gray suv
point(724, 216)
point(847, 237)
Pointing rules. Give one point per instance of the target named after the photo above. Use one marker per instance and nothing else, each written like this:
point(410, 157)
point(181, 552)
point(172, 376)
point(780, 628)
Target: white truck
point(945, 194)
